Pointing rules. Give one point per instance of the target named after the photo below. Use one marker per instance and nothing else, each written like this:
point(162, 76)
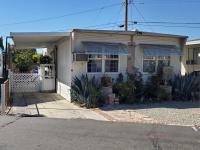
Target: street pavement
point(40, 133)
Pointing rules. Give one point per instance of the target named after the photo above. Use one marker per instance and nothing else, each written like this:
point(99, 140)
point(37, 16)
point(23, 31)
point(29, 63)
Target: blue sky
point(15, 11)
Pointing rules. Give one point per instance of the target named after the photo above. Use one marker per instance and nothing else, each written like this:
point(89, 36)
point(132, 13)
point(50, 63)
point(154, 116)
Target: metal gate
point(24, 82)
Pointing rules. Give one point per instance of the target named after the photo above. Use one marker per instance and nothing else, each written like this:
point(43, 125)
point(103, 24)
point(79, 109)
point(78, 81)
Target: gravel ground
point(180, 113)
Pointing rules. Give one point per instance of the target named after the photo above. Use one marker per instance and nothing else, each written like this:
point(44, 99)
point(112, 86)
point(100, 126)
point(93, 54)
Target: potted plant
point(106, 81)
point(106, 90)
point(45, 59)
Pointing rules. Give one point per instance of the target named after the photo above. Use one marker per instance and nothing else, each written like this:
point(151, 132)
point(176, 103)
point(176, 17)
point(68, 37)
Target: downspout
point(71, 51)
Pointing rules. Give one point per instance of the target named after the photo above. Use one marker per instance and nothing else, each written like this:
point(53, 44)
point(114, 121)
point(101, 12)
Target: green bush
point(151, 88)
point(85, 91)
point(162, 95)
point(45, 59)
point(124, 89)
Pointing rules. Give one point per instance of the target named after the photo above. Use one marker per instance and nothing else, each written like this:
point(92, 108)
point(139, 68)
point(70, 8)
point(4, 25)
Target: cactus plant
point(183, 87)
point(85, 91)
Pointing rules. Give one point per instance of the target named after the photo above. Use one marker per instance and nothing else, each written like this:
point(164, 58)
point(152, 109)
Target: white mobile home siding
point(174, 60)
point(81, 67)
point(64, 62)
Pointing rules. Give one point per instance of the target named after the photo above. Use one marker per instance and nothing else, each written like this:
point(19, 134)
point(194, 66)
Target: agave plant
point(183, 87)
point(85, 91)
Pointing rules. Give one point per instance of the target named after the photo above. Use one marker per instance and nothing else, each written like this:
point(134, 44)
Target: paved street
point(61, 134)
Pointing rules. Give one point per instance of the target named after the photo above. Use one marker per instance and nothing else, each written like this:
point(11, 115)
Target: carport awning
point(103, 48)
point(161, 50)
point(36, 39)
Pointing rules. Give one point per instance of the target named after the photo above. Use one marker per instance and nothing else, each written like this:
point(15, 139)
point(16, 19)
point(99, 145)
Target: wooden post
point(126, 15)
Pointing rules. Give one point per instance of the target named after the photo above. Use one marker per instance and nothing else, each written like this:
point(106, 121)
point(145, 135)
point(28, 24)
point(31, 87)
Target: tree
point(1, 43)
point(23, 59)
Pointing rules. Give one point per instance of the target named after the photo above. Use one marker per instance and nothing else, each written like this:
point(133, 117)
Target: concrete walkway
point(50, 105)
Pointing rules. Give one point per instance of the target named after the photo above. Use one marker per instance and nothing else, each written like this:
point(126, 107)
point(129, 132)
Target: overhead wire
point(61, 16)
point(94, 26)
point(140, 13)
point(168, 22)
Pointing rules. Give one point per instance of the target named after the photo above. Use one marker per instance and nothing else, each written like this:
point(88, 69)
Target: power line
point(171, 26)
point(170, 2)
point(62, 16)
point(167, 22)
point(140, 13)
point(118, 13)
point(114, 24)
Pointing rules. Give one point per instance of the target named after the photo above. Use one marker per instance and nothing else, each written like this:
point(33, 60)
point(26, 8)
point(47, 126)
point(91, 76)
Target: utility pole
point(126, 15)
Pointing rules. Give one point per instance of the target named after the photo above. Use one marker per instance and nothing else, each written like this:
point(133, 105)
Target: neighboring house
point(104, 52)
point(191, 58)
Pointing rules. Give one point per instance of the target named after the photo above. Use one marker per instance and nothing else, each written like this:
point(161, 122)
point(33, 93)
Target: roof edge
point(39, 34)
point(130, 33)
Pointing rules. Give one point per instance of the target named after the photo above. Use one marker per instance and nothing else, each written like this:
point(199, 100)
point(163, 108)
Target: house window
point(162, 62)
point(94, 63)
point(152, 64)
point(103, 63)
point(111, 63)
point(196, 55)
point(149, 64)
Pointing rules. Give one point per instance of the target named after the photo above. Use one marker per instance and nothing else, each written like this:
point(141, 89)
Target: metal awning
point(161, 50)
point(36, 39)
point(103, 48)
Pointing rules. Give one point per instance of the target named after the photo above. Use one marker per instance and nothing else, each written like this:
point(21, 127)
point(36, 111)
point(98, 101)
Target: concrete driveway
point(50, 105)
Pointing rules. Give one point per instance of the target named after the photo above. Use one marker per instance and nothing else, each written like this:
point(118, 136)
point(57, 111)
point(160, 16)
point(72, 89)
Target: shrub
point(136, 79)
point(85, 91)
point(184, 87)
point(124, 89)
point(36, 58)
point(45, 59)
point(162, 95)
point(151, 88)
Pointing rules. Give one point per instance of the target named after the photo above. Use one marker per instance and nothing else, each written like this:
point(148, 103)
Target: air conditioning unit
point(80, 57)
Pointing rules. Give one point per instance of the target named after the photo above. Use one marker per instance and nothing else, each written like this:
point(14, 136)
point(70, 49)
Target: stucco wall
point(64, 68)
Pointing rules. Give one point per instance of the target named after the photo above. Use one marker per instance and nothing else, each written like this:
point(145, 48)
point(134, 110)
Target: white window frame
point(95, 59)
point(156, 58)
point(103, 64)
point(153, 58)
point(118, 58)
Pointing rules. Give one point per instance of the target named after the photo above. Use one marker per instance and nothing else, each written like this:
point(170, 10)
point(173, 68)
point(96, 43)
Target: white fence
point(24, 82)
